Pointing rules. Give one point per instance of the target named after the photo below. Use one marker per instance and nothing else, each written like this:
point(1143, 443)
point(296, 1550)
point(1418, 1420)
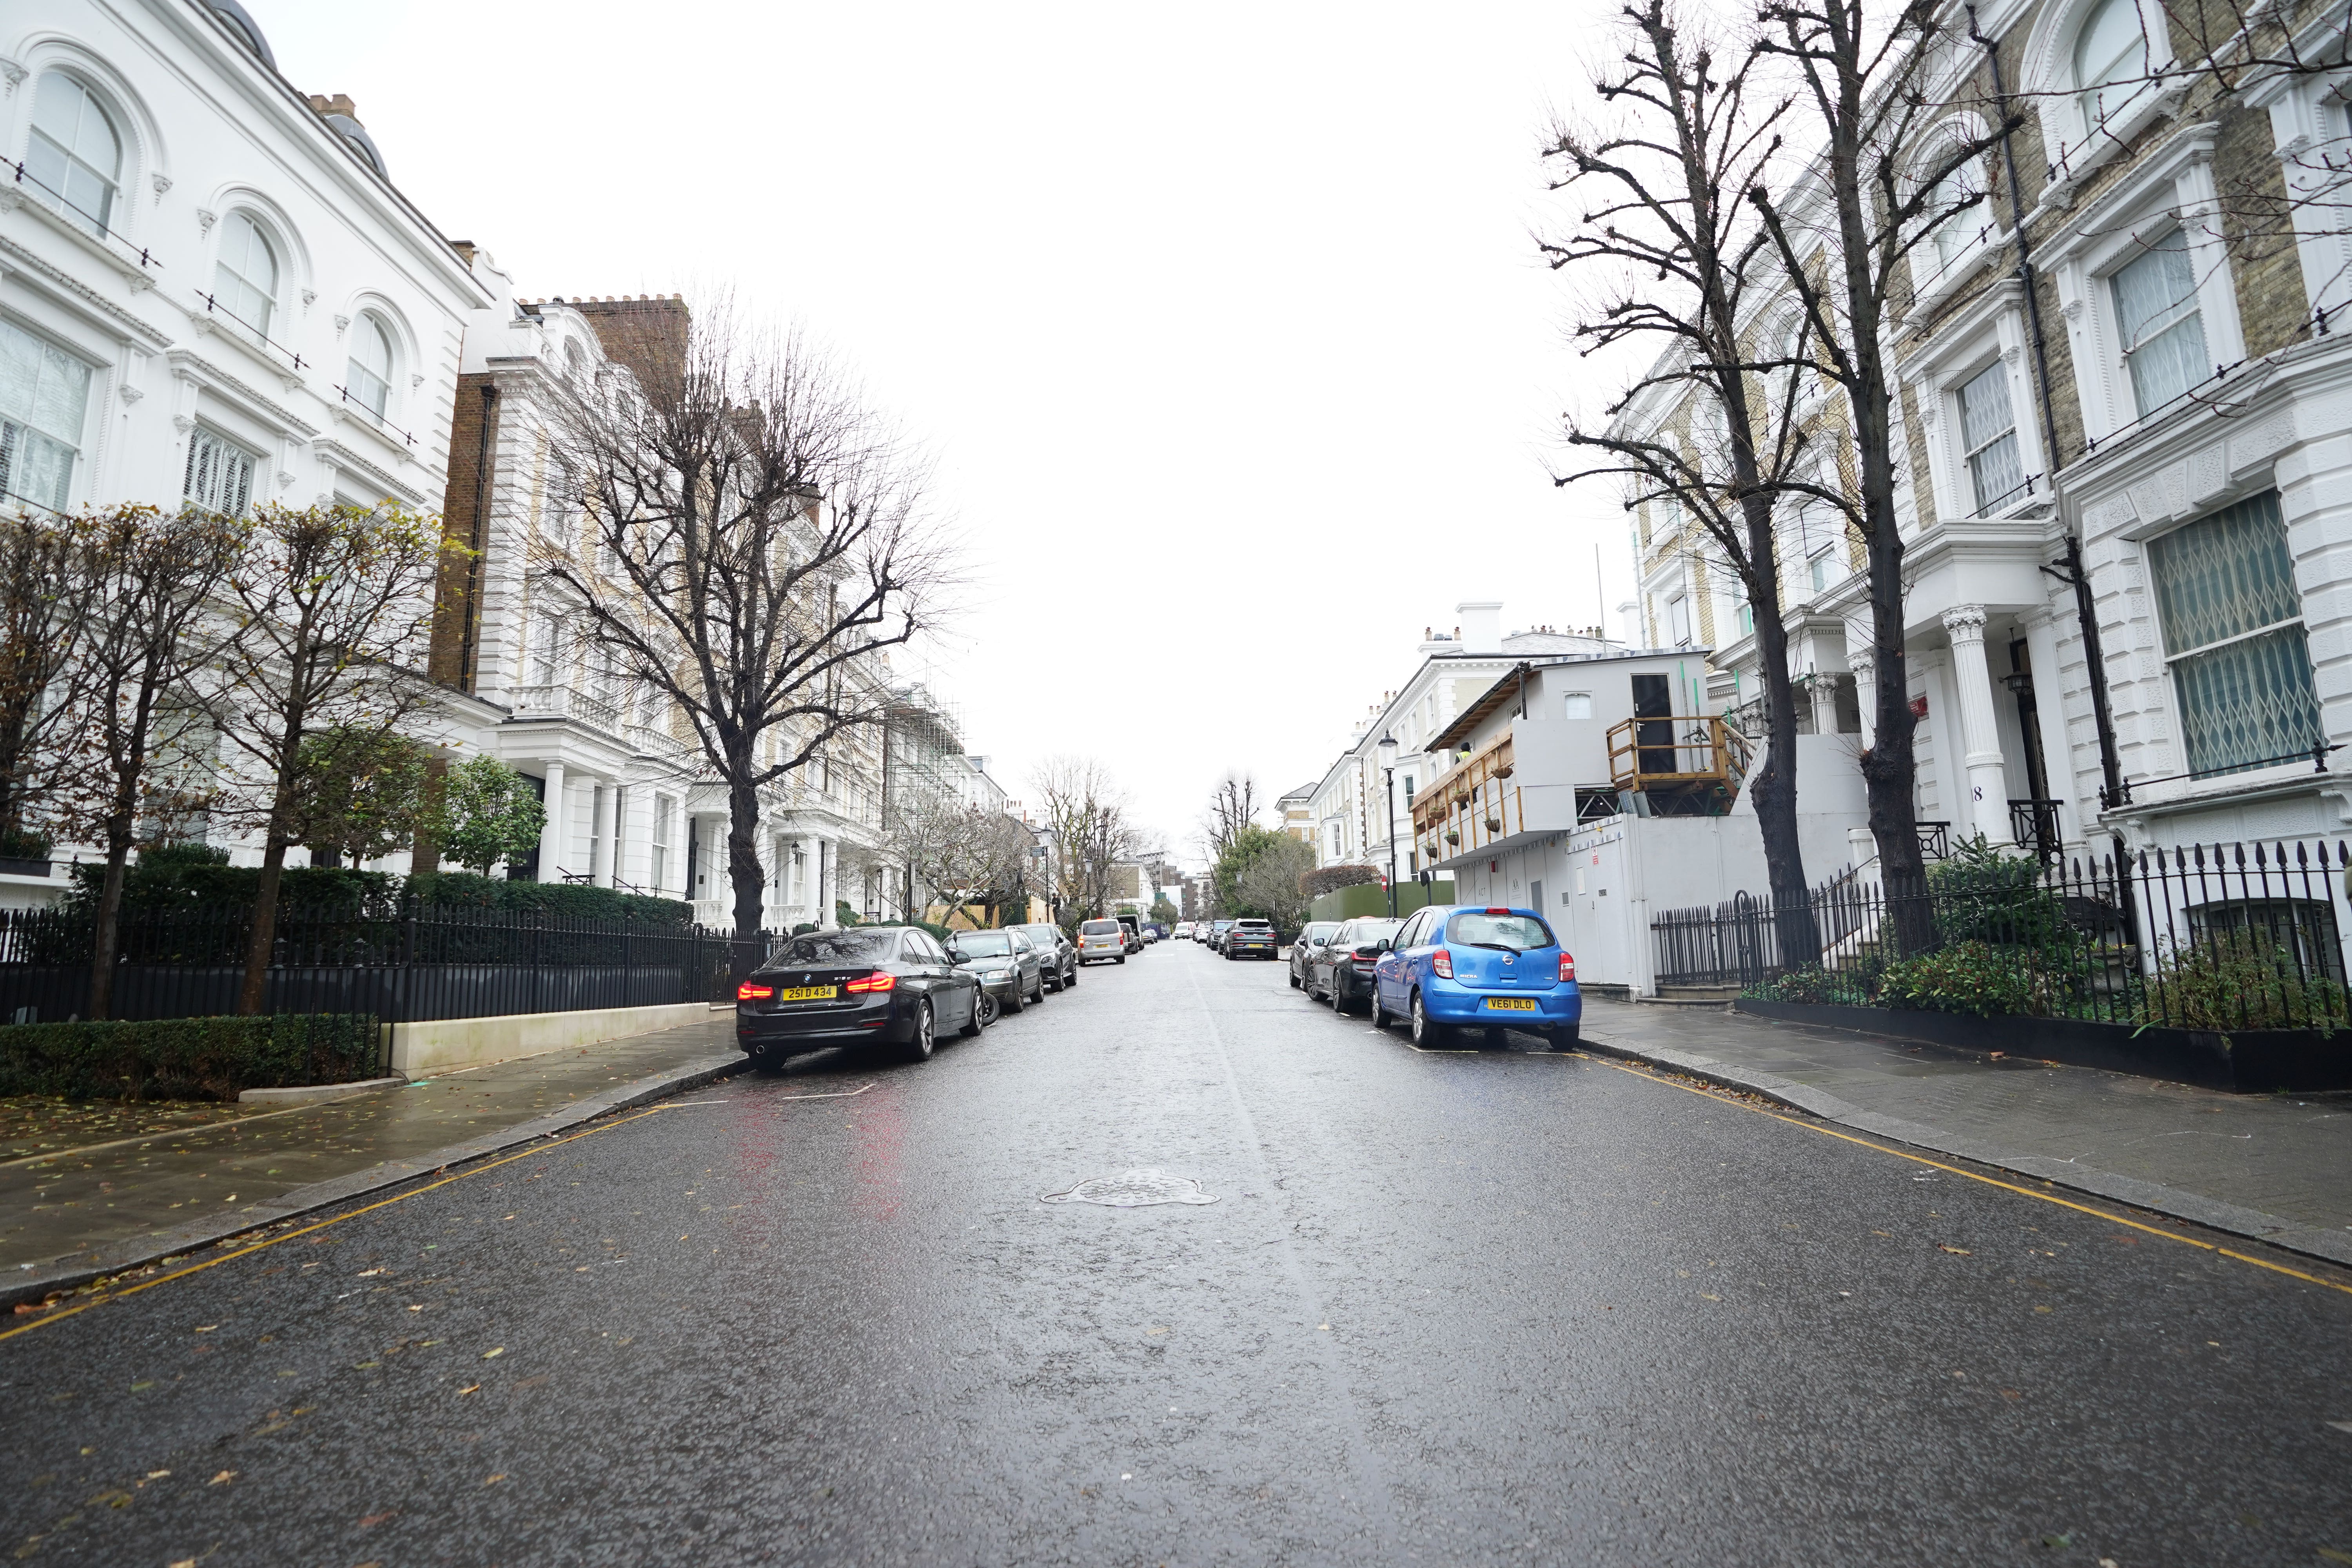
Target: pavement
point(185, 1177)
point(1491, 1307)
point(2276, 1168)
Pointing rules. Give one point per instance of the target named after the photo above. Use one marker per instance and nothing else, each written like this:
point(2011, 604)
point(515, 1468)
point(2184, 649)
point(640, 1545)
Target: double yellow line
point(103, 1297)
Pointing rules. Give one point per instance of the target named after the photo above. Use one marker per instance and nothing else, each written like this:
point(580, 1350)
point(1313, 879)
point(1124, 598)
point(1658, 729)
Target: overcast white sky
point(1223, 319)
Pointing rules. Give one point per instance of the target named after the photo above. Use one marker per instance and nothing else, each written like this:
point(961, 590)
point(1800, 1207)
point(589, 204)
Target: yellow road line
point(1720, 1098)
point(100, 1300)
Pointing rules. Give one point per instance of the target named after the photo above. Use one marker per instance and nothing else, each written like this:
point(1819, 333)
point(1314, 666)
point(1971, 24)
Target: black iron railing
point(102, 231)
point(2206, 936)
point(2034, 824)
point(412, 966)
point(2122, 795)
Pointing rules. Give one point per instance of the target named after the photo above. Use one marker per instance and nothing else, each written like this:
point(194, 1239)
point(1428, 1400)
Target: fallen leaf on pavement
point(494, 1480)
point(2041, 1309)
point(1157, 1330)
point(1710, 1297)
point(157, 1475)
point(470, 1388)
point(1955, 1251)
point(223, 1476)
point(1885, 1233)
point(372, 1521)
point(372, 1273)
point(2335, 1556)
point(206, 1328)
point(2341, 1426)
point(2058, 1540)
point(185, 1562)
point(500, 1351)
point(2011, 1393)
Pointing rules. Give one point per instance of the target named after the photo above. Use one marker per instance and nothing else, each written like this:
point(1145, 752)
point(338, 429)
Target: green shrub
point(186, 875)
point(1966, 977)
point(2238, 979)
point(1983, 893)
point(186, 1059)
point(1812, 984)
point(569, 900)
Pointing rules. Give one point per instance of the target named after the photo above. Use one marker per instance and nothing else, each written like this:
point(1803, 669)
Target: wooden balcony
point(1470, 806)
point(1686, 765)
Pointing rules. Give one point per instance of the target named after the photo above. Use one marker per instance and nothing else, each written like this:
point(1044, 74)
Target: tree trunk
point(254, 992)
point(743, 868)
point(1773, 786)
point(106, 935)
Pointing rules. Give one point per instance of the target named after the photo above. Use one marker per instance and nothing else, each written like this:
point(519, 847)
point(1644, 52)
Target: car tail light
point(1567, 966)
point(1441, 962)
point(1498, 911)
point(877, 981)
point(746, 992)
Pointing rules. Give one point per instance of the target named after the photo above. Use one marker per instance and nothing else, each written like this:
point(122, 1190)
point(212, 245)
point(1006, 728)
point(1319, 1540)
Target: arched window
point(369, 381)
point(1955, 230)
point(244, 284)
point(76, 153)
point(2110, 58)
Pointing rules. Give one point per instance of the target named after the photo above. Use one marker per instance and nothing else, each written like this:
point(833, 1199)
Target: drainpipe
point(2070, 570)
point(474, 566)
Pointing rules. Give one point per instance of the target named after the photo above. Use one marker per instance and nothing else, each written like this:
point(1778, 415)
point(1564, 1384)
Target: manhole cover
point(1131, 1190)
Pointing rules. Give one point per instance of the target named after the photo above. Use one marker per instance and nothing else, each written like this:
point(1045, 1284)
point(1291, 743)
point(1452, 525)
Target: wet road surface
point(1498, 1307)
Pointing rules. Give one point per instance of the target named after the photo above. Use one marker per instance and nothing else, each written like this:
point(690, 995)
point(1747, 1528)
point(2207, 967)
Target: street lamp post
point(1388, 751)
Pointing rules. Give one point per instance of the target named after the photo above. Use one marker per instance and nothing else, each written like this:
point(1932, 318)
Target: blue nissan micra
point(1454, 967)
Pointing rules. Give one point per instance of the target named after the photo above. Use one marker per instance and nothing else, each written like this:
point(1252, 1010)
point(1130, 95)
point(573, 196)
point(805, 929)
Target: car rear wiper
point(1496, 946)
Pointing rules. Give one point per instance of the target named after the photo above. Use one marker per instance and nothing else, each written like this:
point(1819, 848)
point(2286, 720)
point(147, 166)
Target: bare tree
point(147, 637)
point(1843, 243)
point(334, 605)
point(45, 588)
point(1665, 178)
point(1086, 815)
point(755, 537)
point(1232, 806)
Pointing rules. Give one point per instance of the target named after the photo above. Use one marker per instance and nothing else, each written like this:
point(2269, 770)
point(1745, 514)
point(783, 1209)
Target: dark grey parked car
point(1341, 973)
point(1312, 935)
point(1011, 970)
point(1058, 951)
point(871, 986)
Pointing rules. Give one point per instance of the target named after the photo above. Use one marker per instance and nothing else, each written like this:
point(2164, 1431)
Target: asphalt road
point(1488, 1308)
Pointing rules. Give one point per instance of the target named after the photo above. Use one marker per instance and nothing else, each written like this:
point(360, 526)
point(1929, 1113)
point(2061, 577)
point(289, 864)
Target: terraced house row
point(2121, 343)
point(213, 292)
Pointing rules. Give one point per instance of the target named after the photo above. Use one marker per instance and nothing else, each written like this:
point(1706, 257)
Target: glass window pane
point(74, 152)
point(2154, 286)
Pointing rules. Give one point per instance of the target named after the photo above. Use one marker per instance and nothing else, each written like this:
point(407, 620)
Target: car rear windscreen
point(1100, 927)
point(1517, 932)
point(837, 947)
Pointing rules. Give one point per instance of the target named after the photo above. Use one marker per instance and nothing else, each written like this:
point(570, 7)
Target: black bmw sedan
point(871, 986)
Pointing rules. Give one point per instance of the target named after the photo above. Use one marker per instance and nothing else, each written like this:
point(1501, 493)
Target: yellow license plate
point(809, 994)
point(1511, 1004)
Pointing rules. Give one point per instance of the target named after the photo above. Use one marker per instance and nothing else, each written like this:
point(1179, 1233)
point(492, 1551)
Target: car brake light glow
point(746, 992)
point(1567, 966)
point(877, 981)
point(1498, 911)
point(1441, 962)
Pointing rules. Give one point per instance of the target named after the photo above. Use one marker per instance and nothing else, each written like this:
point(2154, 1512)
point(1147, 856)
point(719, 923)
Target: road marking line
point(1721, 1097)
point(106, 1296)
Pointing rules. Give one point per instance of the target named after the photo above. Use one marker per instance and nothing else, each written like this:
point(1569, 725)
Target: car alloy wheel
point(1338, 994)
point(1380, 1018)
point(984, 1014)
point(1013, 1003)
point(1427, 1033)
point(919, 1049)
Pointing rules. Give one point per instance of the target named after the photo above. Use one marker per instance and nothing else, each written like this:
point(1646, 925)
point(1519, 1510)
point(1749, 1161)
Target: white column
point(1863, 662)
point(600, 865)
point(552, 835)
point(1987, 806)
point(2059, 775)
point(821, 875)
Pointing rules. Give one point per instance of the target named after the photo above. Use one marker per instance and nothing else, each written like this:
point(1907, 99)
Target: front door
point(1653, 704)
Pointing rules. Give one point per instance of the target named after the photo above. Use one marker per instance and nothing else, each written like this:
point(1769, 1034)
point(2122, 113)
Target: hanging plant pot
point(1454, 835)
point(1503, 773)
point(1493, 825)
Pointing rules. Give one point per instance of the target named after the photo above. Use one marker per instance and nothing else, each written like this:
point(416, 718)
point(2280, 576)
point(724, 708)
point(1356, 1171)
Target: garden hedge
point(186, 1059)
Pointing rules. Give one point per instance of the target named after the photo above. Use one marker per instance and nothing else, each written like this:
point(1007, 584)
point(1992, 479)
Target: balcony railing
point(2033, 824)
point(1688, 764)
point(1469, 805)
point(559, 702)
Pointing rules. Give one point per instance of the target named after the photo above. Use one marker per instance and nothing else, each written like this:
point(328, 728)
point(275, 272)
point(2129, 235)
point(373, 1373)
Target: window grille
point(44, 395)
point(2163, 332)
point(1989, 432)
point(2233, 633)
point(220, 474)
